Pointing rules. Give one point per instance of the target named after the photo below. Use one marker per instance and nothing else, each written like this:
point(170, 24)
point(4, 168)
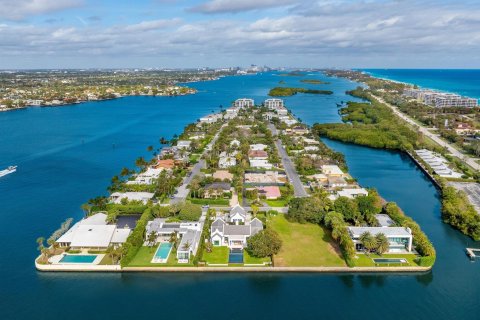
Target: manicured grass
point(145, 254)
point(248, 259)
point(107, 260)
point(213, 202)
point(305, 245)
point(219, 255)
point(367, 260)
point(277, 203)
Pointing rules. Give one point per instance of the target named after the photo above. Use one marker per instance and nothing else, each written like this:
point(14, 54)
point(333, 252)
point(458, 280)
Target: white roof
point(141, 196)
point(387, 231)
point(331, 169)
point(350, 192)
point(97, 219)
point(120, 235)
point(93, 236)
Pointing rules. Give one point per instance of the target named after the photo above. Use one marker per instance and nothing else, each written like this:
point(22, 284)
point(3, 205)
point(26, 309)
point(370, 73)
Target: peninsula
point(246, 189)
point(287, 91)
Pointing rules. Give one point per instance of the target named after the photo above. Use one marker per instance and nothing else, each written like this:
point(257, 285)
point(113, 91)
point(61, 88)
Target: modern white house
point(273, 103)
point(226, 161)
point(244, 103)
point(184, 144)
point(260, 163)
point(332, 170)
point(144, 197)
point(352, 192)
point(146, 177)
point(400, 238)
point(232, 231)
point(93, 233)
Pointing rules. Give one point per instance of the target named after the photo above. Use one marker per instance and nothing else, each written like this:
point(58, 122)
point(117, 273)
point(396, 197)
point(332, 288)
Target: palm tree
point(86, 209)
point(163, 140)
point(151, 238)
point(382, 243)
point(254, 209)
point(186, 246)
point(173, 239)
point(368, 241)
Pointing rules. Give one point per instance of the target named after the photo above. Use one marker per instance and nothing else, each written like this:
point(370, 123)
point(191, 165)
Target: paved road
point(182, 190)
point(299, 189)
point(471, 162)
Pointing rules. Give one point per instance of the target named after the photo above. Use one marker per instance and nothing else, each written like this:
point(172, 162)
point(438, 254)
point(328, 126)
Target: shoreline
point(338, 270)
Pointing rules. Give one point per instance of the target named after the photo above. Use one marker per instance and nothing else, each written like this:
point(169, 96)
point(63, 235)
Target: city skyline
point(216, 33)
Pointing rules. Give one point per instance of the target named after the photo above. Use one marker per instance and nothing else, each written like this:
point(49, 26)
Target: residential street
point(289, 166)
point(470, 161)
point(182, 190)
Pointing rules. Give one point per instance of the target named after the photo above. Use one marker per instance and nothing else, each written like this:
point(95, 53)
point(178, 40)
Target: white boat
point(9, 170)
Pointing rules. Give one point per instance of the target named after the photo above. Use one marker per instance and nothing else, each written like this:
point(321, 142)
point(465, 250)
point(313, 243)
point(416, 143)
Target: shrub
point(135, 239)
point(265, 243)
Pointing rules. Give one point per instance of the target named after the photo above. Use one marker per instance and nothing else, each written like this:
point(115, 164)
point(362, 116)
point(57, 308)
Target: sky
point(223, 33)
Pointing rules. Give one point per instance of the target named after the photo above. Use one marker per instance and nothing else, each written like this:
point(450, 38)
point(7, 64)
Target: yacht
point(9, 170)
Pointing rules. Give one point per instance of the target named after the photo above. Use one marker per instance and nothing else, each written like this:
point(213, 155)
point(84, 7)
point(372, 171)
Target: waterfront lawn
point(364, 260)
point(248, 259)
point(219, 255)
point(145, 254)
point(305, 245)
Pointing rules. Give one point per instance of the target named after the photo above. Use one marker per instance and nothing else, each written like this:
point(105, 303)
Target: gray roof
point(387, 231)
point(218, 224)
point(231, 230)
point(256, 226)
point(384, 220)
point(238, 209)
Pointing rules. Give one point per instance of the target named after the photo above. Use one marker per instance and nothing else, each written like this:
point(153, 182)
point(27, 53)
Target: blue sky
point(216, 33)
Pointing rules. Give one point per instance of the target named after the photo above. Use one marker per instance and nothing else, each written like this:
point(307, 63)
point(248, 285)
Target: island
point(314, 81)
point(288, 91)
point(248, 189)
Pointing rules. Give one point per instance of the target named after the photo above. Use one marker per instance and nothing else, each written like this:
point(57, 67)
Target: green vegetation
point(306, 245)
point(135, 239)
point(458, 212)
point(314, 81)
point(370, 124)
point(248, 259)
point(265, 243)
point(145, 254)
point(420, 240)
point(218, 255)
point(286, 91)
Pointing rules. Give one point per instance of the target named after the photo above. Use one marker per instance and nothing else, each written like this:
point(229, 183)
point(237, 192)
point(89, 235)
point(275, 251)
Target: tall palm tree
point(382, 243)
point(174, 239)
point(151, 238)
point(368, 241)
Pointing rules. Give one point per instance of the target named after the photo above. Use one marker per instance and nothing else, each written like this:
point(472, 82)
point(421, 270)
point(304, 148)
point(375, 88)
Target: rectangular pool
point(235, 256)
point(390, 260)
point(78, 258)
point(162, 253)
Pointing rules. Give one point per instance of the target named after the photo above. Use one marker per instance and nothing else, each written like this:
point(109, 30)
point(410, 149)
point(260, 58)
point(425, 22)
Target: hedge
point(135, 239)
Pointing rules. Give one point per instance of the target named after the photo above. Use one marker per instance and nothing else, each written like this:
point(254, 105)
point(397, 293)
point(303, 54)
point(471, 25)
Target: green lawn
point(145, 254)
point(305, 245)
point(219, 255)
point(277, 203)
point(366, 260)
point(248, 259)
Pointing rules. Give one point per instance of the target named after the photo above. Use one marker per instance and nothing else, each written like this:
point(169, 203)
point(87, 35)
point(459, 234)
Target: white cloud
point(20, 9)
point(235, 6)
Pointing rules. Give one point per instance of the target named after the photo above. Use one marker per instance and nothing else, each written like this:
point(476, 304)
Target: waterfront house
point(299, 130)
point(282, 111)
point(400, 238)
point(332, 170)
point(147, 177)
point(184, 144)
point(337, 182)
point(234, 233)
point(352, 192)
point(143, 197)
point(166, 164)
point(93, 233)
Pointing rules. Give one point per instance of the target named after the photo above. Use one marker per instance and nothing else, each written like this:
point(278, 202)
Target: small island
point(314, 81)
point(287, 91)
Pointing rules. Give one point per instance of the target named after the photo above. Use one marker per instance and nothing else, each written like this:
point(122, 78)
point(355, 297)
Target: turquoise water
point(78, 258)
point(163, 251)
point(67, 155)
point(464, 82)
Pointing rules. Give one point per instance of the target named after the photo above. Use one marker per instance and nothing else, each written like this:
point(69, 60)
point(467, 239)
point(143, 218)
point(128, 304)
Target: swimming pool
point(390, 260)
point(235, 256)
point(78, 258)
point(162, 253)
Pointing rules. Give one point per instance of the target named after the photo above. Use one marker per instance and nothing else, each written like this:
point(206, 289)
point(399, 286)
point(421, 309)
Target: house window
point(216, 243)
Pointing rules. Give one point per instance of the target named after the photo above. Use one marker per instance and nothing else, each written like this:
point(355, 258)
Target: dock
point(473, 253)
